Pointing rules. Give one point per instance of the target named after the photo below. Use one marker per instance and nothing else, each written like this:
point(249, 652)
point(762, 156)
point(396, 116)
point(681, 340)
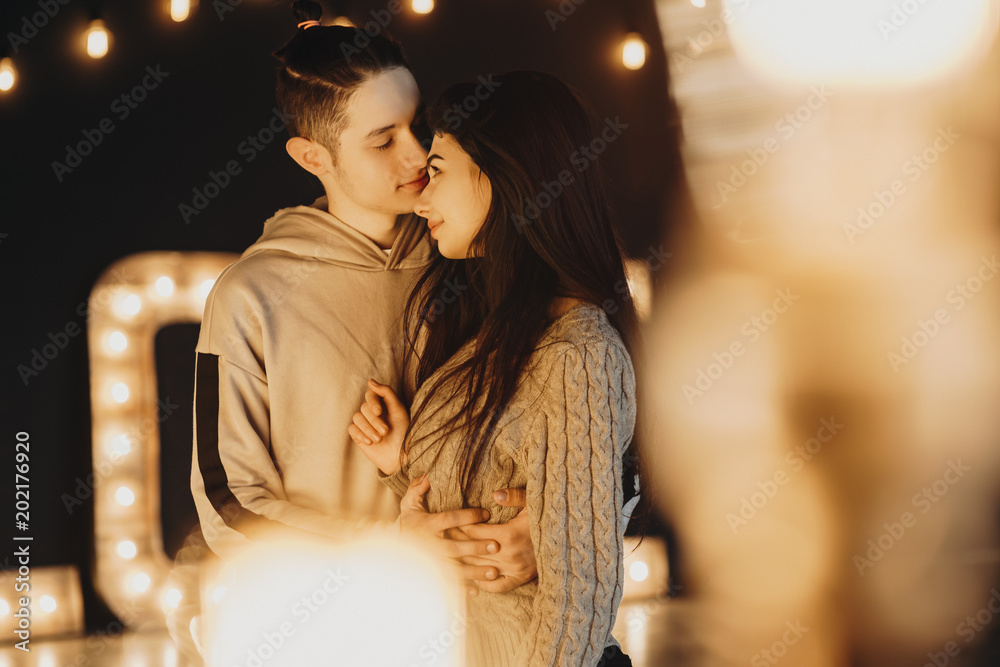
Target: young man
point(293, 330)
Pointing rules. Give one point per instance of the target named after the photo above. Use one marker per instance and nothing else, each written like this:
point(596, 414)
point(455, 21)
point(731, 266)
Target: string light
point(180, 10)
point(634, 51)
point(98, 39)
point(8, 75)
point(423, 6)
point(48, 603)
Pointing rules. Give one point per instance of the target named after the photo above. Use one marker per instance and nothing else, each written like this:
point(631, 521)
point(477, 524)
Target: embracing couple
point(460, 323)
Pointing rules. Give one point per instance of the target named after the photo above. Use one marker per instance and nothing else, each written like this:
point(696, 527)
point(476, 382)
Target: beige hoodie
point(292, 331)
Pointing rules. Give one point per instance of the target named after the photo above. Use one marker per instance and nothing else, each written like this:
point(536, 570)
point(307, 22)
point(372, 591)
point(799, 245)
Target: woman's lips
point(433, 227)
point(417, 185)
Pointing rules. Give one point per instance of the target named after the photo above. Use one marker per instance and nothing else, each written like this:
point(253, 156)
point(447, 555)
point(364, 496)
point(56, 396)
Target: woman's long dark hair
point(548, 233)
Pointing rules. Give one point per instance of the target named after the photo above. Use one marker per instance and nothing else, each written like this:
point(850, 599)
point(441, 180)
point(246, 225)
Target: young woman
point(525, 370)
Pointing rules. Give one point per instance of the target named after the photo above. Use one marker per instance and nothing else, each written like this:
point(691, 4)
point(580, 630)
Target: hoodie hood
point(312, 231)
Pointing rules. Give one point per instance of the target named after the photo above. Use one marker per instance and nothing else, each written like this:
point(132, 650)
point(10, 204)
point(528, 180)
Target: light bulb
point(117, 341)
point(180, 10)
point(423, 6)
point(638, 571)
point(127, 549)
point(172, 598)
point(164, 286)
point(633, 51)
point(206, 287)
point(124, 496)
point(98, 39)
point(140, 582)
point(120, 392)
point(8, 75)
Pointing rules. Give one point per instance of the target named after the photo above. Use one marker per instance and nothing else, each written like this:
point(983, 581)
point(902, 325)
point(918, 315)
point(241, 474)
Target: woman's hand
point(380, 441)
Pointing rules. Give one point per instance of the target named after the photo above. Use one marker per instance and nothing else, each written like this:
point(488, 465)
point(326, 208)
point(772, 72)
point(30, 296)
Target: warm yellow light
point(634, 51)
point(164, 286)
point(8, 75)
point(117, 341)
point(140, 582)
point(124, 496)
point(180, 9)
point(206, 287)
point(638, 571)
point(218, 593)
point(121, 444)
point(127, 549)
point(4, 607)
point(119, 392)
point(98, 39)
point(343, 21)
point(172, 598)
point(698, 3)
point(423, 6)
point(860, 41)
point(47, 603)
point(128, 305)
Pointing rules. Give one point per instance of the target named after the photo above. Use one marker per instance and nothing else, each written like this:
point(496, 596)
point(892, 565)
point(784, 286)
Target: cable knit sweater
point(562, 438)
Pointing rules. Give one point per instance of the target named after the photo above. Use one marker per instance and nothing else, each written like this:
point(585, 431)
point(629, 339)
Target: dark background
point(56, 237)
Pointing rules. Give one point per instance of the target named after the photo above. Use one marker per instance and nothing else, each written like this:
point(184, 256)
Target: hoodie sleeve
point(236, 484)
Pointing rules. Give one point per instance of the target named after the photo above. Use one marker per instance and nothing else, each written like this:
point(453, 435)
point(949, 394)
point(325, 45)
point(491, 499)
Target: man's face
point(380, 164)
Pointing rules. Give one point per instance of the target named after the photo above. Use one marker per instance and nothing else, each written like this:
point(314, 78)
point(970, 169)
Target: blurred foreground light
point(423, 6)
point(866, 42)
point(634, 51)
point(98, 39)
point(180, 10)
point(48, 604)
point(370, 602)
point(172, 598)
point(8, 75)
point(698, 3)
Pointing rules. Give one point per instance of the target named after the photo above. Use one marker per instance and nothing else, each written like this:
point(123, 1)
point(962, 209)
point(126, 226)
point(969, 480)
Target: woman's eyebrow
point(433, 157)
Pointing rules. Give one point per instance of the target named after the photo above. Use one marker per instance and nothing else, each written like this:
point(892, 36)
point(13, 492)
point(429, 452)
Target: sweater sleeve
point(399, 481)
point(574, 494)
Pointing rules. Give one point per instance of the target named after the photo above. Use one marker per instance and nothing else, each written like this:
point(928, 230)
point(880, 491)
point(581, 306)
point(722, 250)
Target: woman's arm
point(574, 499)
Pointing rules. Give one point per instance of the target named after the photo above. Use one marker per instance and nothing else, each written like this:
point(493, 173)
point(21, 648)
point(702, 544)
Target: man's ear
point(310, 155)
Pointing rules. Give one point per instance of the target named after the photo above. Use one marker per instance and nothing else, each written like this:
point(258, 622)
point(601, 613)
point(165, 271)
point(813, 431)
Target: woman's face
point(456, 198)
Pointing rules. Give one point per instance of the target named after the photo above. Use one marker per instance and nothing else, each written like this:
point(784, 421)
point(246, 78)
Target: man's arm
point(237, 488)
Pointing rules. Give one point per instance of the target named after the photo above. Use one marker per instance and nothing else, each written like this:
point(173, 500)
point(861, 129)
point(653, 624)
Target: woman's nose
point(423, 205)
